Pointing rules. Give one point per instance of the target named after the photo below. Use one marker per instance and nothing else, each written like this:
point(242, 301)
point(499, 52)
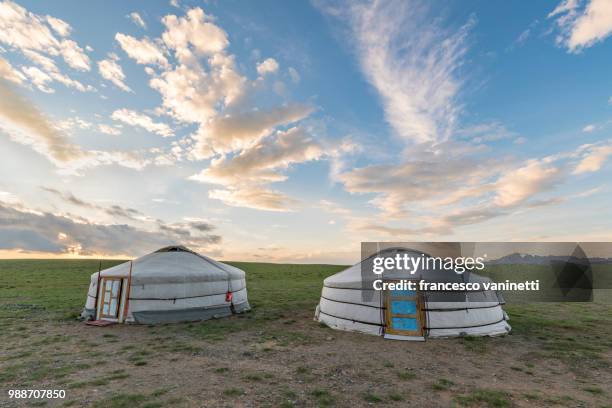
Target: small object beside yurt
point(172, 284)
point(349, 302)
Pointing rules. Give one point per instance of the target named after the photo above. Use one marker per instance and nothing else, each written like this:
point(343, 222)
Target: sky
point(293, 131)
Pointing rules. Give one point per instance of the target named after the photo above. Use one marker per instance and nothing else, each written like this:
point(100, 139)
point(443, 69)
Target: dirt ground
point(558, 354)
point(289, 361)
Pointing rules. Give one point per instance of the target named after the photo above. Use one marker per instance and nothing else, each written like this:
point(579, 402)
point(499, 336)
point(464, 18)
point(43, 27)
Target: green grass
point(56, 287)
point(406, 375)
point(323, 397)
point(31, 291)
point(442, 384)
point(576, 333)
point(233, 392)
point(490, 398)
point(276, 291)
point(253, 377)
point(372, 398)
point(121, 401)
point(594, 390)
point(475, 344)
point(394, 396)
point(59, 288)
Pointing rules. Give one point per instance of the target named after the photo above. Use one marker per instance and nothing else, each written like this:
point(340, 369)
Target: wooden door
point(110, 297)
point(404, 313)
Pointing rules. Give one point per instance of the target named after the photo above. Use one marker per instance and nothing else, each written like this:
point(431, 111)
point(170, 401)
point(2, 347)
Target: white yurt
point(172, 284)
point(349, 302)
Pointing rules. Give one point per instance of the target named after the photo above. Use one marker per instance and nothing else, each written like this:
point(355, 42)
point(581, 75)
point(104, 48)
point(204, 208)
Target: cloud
point(518, 185)
point(134, 118)
point(29, 230)
point(430, 174)
point(109, 130)
point(565, 6)
point(72, 123)
point(411, 62)
point(113, 210)
point(237, 131)
point(31, 35)
point(254, 197)
point(51, 72)
point(588, 128)
point(262, 162)
point(269, 66)
point(200, 85)
point(245, 175)
point(196, 31)
point(111, 71)
point(582, 27)
point(594, 159)
point(444, 175)
point(9, 73)
point(295, 76)
point(116, 211)
point(41, 60)
point(24, 123)
point(192, 95)
point(333, 208)
point(38, 78)
point(523, 36)
point(62, 28)
point(485, 132)
point(142, 51)
point(201, 226)
point(74, 55)
point(137, 19)
point(69, 198)
point(588, 193)
point(22, 29)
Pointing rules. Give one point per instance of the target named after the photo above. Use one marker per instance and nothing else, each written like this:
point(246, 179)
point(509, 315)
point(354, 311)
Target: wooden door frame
point(419, 315)
point(101, 296)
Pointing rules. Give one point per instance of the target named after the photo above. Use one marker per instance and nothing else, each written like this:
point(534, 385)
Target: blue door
point(403, 313)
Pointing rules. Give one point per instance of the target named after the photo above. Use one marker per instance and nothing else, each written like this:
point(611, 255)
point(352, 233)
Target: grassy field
point(277, 356)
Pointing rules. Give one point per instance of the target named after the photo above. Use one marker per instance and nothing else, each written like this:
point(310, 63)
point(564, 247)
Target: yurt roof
point(352, 276)
point(174, 264)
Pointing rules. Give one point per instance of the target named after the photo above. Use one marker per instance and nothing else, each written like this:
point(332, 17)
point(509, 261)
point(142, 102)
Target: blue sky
point(293, 131)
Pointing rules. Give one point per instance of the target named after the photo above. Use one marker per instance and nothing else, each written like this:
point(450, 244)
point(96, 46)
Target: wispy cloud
point(26, 124)
point(138, 119)
point(412, 62)
point(143, 51)
point(582, 23)
point(594, 158)
point(447, 174)
point(589, 128)
point(9, 73)
point(111, 71)
point(113, 210)
point(137, 19)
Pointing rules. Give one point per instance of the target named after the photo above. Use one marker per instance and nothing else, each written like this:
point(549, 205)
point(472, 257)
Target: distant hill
point(528, 259)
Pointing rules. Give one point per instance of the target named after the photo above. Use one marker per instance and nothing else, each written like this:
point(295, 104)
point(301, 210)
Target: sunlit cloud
point(582, 24)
